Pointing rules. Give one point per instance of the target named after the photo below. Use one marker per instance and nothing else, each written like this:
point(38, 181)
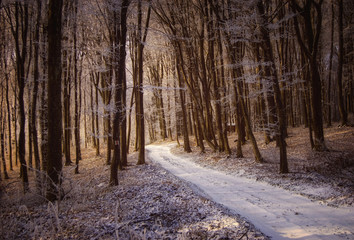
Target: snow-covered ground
point(149, 203)
point(277, 212)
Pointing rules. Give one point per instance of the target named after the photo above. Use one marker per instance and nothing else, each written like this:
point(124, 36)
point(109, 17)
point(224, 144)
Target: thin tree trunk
point(329, 113)
point(35, 94)
point(97, 135)
point(123, 124)
point(92, 115)
point(120, 38)
point(8, 118)
point(142, 38)
point(186, 144)
point(130, 119)
point(67, 116)
point(2, 139)
point(2, 135)
point(77, 97)
point(30, 136)
point(342, 111)
point(44, 110)
point(85, 119)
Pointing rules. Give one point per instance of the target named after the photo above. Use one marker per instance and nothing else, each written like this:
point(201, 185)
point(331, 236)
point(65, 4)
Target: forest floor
point(151, 203)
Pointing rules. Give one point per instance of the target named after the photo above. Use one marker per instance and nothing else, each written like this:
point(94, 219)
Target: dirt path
point(278, 213)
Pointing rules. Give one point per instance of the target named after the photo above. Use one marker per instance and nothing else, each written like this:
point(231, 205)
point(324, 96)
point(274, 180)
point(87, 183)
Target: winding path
point(276, 212)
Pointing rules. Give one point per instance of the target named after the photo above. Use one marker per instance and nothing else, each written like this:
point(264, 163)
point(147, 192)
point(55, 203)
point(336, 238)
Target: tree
point(310, 11)
point(19, 28)
point(120, 35)
point(77, 91)
point(342, 110)
point(2, 134)
point(140, 90)
point(271, 72)
point(35, 90)
point(54, 168)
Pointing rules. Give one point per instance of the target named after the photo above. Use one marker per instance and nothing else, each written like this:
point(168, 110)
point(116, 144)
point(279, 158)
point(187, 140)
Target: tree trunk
point(8, 116)
point(97, 134)
point(309, 42)
point(54, 160)
point(2, 135)
point(35, 94)
point(342, 111)
point(186, 144)
point(123, 123)
point(66, 100)
point(92, 114)
point(329, 110)
point(140, 101)
point(44, 108)
point(77, 110)
point(20, 65)
point(271, 72)
point(120, 38)
point(30, 139)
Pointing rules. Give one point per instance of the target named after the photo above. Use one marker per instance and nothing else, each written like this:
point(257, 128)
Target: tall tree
point(119, 56)
point(271, 73)
point(310, 12)
point(329, 90)
point(140, 92)
point(19, 24)
point(35, 89)
point(77, 91)
point(54, 169)
point(2, 133)
point(342, 111)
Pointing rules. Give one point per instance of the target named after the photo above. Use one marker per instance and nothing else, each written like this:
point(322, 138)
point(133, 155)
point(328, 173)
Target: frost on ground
point(278, 213)
point(149, 203)
point(327, 177)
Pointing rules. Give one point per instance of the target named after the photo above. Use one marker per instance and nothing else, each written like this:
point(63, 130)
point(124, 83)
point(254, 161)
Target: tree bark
point(271, 72)
point(140, 100)
point(20, 37)
point(77, 110)
point(309, 42)
point(120, 38)
point(342, 111)
point(329, 110)
point(54, 169)
point(35, 93)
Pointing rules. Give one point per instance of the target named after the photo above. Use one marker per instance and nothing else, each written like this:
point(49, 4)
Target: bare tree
point(120, 35)
point(54, 169)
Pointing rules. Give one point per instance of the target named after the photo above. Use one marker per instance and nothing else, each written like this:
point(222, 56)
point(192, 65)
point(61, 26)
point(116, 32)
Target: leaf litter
point(149, 203)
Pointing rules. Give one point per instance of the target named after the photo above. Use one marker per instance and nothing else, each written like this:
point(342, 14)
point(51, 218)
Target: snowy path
point(278, 213)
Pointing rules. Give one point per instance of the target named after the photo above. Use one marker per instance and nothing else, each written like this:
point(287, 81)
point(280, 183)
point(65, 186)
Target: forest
point(95, 82)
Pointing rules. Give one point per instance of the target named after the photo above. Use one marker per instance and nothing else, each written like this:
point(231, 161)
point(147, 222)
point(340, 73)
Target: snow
point(149, 203)
point(277, 212)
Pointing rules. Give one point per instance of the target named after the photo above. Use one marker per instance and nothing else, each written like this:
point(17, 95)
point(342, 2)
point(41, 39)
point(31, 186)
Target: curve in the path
point(276, 212)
